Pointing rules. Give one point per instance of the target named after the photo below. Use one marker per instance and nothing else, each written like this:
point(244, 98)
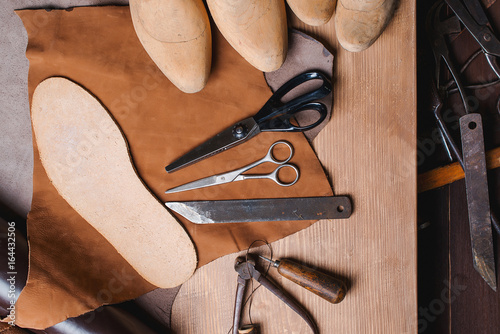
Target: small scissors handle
point(275, 115)
point(270, 157)
point(273, 176)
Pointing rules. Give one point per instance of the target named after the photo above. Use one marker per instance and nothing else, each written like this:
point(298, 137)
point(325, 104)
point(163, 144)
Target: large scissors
point(275, 115)
point(237, 175)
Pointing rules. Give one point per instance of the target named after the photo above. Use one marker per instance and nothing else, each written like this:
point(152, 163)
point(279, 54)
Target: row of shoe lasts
point(177, 36)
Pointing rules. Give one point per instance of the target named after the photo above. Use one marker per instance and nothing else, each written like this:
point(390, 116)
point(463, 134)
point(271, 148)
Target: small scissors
point(236, 175)
point(275, 115)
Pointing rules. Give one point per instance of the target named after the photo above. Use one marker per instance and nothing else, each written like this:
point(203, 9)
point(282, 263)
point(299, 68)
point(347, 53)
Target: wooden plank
point(369, 151)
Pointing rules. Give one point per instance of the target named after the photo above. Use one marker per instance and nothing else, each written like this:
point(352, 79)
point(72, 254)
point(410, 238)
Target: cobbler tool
point(472, 156)
point(256, 29)
point(275, 115)
point(359, 23)
point(262, 210)
point(176, 35)
point(237, 175)
point(319, 283)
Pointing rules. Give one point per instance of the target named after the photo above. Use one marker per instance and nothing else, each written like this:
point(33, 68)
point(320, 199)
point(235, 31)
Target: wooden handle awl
point(323, 285)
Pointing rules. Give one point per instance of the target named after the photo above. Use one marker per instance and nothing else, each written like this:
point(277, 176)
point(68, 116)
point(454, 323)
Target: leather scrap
point(73, 269)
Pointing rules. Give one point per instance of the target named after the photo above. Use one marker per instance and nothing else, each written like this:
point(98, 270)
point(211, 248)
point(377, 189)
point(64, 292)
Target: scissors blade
point(217, 144)
point(201, 183)
point(209, 181)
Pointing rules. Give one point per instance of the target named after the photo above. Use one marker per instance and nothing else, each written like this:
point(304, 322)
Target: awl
point(327, 287)
point(259, 210)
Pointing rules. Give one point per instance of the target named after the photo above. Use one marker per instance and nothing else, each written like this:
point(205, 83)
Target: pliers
point(245, 267)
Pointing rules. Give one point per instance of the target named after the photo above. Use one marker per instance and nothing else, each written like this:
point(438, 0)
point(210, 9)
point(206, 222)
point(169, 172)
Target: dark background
point(453, 297)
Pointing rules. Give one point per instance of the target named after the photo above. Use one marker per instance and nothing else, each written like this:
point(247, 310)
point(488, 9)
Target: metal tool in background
point(237, 174)
point(317, 282)
point(259, 210)
point(275, 115)
point(473, 17)
point(471, 157)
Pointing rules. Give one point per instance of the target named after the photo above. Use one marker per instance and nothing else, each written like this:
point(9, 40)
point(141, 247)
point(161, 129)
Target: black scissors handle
point(283, 122)
point(275, 115)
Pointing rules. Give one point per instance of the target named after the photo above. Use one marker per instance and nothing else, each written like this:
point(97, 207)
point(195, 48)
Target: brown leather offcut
point(73, 269)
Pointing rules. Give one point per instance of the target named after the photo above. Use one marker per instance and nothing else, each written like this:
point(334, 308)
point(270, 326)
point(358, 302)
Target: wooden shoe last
point(359, 23)
point(257, 29)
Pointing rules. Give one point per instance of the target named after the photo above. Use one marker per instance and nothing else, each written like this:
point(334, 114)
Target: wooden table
point(369, 151)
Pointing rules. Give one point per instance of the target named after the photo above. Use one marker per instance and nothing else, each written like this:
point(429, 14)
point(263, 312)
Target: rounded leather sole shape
point(86, 158)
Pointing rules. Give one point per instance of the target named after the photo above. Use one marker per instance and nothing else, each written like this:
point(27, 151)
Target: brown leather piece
point(73, 269)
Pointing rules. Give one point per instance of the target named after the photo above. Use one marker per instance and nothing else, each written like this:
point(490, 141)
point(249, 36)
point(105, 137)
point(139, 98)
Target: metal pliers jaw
point(245, 267)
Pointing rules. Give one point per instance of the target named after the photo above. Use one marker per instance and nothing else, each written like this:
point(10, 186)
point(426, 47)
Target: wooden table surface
point(369, 151)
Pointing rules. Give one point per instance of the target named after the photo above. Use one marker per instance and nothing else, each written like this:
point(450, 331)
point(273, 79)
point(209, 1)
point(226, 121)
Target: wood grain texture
point(369, 151)
point(441, 176)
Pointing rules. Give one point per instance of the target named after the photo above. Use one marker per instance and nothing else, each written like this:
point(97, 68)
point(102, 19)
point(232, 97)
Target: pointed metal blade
point(258, 210)
point(222, 141)
point(478, 203)
point(202, 183)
